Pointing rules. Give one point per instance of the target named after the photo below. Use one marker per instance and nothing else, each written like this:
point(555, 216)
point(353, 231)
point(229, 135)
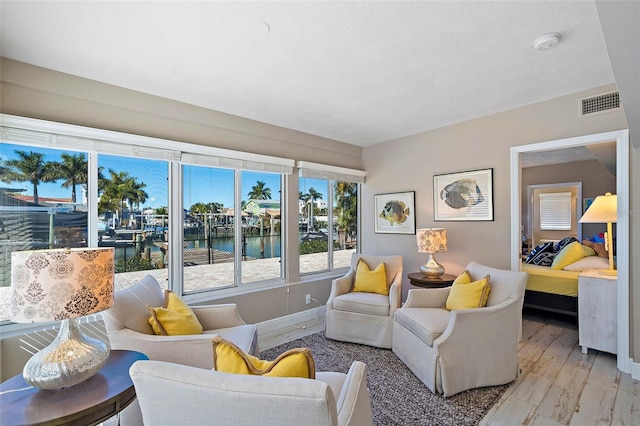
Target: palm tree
point(73, 169)
point(259, 192)
point(346, 195)
point(29, 167)
point(310, 198)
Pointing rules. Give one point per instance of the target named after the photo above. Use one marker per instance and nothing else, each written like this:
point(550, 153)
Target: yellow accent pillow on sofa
point(570, 253)
point(369, 281)
point(467, 294)
point(228, 358)
point(174, 317)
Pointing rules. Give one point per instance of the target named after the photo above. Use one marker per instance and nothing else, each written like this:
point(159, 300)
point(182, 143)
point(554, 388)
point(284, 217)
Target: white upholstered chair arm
point(341, 285)
point(194, 350)
point(354, 401)
point(466, 325)
point(427, 297)
point(213, 317)
point(395, 294)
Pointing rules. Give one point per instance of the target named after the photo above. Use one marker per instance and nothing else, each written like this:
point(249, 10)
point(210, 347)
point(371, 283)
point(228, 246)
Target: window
point(555, 211)
point(168, 208)
point(328, 212)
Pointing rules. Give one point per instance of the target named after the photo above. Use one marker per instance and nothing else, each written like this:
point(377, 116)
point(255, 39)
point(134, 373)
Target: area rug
point(397, 396)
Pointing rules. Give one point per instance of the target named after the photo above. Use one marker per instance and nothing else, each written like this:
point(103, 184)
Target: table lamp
point(432, 240)
point(62, 284)
point(604, 209)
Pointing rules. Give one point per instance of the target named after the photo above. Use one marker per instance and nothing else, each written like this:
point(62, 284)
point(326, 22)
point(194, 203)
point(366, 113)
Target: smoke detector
point(546, 41)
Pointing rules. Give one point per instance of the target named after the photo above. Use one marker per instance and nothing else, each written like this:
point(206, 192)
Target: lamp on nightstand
point(604, 209)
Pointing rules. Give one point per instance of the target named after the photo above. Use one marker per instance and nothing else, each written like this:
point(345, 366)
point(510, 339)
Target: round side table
point(419, 280)
point(88, 403)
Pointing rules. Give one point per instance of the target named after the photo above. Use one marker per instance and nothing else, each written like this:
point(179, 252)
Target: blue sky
point(202, 184)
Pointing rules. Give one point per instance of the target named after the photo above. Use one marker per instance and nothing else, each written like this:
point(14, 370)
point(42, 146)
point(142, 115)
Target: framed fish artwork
point(464, 196)
point(395, 213)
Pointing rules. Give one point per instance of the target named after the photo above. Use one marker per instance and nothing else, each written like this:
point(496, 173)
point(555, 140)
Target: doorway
point(621, 138)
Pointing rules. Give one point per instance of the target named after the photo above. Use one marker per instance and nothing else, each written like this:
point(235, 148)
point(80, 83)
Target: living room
point(397, 164)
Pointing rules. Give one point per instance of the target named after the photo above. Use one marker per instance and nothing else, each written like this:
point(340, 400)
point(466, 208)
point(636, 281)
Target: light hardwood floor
point(558, 385)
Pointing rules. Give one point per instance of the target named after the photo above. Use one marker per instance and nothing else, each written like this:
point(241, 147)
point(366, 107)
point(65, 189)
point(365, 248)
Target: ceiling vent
point(602, 103)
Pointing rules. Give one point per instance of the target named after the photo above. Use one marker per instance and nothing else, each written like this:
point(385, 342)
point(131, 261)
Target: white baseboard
point(635, 370)
point(283, 329)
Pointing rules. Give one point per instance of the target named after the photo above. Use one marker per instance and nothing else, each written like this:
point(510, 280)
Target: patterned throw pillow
point(542, 254)
point(563, 243)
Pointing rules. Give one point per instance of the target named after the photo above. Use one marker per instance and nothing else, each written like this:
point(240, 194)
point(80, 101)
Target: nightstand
point(597, 311)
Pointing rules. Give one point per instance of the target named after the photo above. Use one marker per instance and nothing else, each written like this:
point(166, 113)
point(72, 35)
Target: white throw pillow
point(589, 262)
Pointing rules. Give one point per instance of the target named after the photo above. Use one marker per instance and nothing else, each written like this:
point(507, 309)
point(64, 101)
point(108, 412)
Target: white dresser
point(597, 311)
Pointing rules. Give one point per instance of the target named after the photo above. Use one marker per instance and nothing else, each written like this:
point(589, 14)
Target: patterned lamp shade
point(432, 240)
point(62, 284)
point(58, 284)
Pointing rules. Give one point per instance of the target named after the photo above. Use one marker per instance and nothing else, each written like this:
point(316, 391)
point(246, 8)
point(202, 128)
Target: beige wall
point(595, 178)
point(408, 164)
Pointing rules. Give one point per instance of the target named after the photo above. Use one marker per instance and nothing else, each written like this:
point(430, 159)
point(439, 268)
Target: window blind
point(555, 211)
point(334, 173)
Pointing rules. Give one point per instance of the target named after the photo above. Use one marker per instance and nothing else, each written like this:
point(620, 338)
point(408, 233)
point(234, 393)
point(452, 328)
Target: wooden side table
point(419, 280)
point(88, 403)
point(597, 308)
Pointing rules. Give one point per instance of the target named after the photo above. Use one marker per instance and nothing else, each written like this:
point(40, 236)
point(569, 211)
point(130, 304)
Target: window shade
point(28, 131)
point(555, 211)
point(323, 171)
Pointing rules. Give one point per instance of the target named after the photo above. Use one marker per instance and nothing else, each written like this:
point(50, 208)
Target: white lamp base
point(70, 359)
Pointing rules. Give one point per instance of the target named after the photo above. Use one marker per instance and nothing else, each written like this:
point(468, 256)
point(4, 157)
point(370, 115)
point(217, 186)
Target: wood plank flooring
point(558, 385)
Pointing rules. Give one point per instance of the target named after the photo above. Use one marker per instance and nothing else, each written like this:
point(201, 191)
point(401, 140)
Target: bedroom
point(580, 174)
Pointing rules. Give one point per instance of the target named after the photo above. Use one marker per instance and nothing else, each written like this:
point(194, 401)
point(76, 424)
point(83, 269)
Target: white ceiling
point(356, 72)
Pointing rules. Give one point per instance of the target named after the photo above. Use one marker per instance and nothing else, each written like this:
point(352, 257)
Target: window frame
point(94, 142)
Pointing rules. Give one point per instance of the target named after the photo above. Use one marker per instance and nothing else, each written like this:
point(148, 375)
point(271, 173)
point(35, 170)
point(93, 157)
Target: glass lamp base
point(70, 359)
point(432, 268)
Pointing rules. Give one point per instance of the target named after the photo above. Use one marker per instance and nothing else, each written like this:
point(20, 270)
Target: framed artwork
point(463, 196)
point(586, 202)
point(395, 213)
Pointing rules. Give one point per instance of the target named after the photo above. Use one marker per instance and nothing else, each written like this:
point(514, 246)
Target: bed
point(556, 290)
point(551, 290)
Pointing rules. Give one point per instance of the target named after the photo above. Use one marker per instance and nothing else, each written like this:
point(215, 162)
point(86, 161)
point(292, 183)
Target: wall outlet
point(308, 299)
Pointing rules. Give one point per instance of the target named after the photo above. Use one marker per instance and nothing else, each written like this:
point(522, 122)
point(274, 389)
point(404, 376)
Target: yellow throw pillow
point(570, 253)
point(468, 295)
point(174, 317)
point(228, 358)
point(369, 281)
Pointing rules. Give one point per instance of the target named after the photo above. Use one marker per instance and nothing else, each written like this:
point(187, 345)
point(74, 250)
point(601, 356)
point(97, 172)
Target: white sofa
point(452, 351)
point(173, 394)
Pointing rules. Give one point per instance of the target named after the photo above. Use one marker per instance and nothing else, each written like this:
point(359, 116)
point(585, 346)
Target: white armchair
point(128, 328)
point(172, 394)
point(452, 351)
point(365, 318)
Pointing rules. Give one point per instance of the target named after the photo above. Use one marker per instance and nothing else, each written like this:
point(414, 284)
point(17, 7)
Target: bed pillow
point(563, 243)
point(542, 255)
point(569, 254)
point(588, 251)
point(597, 247)
point(589, 262)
